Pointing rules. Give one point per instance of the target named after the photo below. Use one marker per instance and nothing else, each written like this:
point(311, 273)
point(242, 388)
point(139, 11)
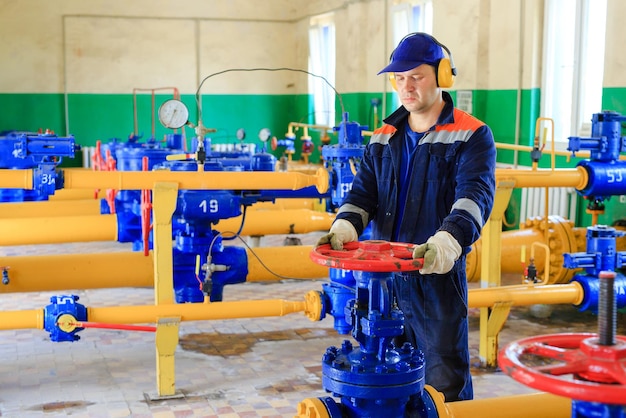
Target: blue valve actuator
point(63, 305)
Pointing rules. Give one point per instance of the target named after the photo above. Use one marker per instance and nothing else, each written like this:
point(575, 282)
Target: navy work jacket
point(451, 188)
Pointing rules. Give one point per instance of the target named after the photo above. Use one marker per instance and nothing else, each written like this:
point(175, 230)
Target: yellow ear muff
point(392, 80)
point(445, 74)
point(445, 71)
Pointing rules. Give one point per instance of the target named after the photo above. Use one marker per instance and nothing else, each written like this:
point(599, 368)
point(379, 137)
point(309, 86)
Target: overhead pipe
point(190, 180)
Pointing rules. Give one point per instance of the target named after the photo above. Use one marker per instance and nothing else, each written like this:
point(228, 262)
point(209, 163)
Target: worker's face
point(417, 88)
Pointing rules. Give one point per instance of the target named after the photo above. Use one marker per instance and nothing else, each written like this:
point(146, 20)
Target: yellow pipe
point(68, 271)
point(536, 405)
point(77, 271)
point(77, 194)
point(290, 262)
point(265, 222)
point(141, 314)
point(86, 228)
point(286, 203)
point(524, 295)
point(189, 180)
point(17, 179)
point(39, 273)
point(576, 178)
point(78, 207)
point(199, 180)
point(579, 154)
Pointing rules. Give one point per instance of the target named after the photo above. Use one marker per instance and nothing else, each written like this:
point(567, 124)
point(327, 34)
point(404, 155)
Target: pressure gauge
point(264, 134)
point(173, 114)
point(241, 134)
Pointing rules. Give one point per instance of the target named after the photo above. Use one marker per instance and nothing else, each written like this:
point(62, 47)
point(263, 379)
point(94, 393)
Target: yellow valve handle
point(181, 157)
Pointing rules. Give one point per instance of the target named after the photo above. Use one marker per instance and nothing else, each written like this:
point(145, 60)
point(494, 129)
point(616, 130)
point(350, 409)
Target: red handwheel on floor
point(578, 366)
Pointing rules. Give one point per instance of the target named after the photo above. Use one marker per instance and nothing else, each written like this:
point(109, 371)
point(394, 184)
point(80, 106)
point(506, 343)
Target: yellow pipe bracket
point(490, 266)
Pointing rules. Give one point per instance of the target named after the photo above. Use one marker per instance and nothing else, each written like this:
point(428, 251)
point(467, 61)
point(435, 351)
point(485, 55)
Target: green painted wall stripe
point(95, 117)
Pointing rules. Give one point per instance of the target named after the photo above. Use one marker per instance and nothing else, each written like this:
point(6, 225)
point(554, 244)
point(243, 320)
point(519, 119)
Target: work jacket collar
point(398, 117)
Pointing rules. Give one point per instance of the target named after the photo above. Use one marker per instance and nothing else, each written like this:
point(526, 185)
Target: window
point(322, 64)
point(573, 68)
point(408, 17)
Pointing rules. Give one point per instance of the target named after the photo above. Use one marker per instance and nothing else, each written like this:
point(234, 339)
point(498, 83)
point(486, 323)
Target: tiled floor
point(257, 367)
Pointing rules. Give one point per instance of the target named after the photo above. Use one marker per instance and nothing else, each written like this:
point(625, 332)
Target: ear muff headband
point(444, 71)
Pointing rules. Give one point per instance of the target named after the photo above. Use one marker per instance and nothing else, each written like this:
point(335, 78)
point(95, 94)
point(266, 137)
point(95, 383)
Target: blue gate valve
point(37, 151)
point(605, 171)
point(375, 379)
point(343, 159)
point(601, 255)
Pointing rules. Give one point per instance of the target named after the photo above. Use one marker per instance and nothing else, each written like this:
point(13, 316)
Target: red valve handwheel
point(372, 255)
point(598, 371)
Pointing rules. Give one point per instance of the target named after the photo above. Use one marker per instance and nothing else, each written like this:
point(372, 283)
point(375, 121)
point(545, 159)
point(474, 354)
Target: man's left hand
point(440, 252)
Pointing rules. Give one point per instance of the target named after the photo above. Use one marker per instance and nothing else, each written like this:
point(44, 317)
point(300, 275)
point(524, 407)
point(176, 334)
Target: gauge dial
point(173, 114)
point(264, 134)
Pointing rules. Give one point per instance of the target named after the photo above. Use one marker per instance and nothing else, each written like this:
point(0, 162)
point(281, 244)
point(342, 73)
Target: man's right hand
point(340, 232)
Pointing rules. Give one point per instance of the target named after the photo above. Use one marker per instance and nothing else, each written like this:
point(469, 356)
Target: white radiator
point(88, 152)
point(561, 201)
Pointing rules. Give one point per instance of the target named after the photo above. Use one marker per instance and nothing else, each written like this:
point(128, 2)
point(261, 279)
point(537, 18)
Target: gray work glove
point(340, 232)
point(439, 253)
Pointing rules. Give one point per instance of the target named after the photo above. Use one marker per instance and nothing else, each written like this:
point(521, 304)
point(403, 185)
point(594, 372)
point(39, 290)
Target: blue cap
point(412, 51)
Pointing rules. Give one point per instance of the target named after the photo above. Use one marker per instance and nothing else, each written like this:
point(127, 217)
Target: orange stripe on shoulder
point(462, 121)
point(385, 129)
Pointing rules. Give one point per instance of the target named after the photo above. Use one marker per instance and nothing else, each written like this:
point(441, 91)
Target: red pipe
point(124, 327)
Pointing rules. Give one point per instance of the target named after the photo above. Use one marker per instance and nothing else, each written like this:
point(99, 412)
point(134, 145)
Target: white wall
point(112, 46)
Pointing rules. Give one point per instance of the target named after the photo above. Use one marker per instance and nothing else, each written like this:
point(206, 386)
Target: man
point(427, 177)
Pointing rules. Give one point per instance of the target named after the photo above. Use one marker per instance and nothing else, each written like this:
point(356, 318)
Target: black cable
point(343, 110)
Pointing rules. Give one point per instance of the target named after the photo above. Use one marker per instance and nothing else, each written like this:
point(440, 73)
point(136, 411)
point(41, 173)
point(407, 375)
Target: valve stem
point(606, 308)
